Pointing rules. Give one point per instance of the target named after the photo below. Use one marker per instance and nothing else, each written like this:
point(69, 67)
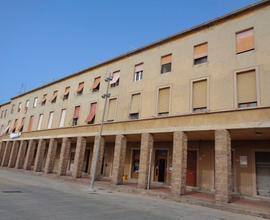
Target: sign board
point(15, 135)
point(243, 161)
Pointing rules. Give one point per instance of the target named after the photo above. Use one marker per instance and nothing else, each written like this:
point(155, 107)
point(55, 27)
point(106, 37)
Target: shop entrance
point(192, 168)
point(160, 165)
point(263, 173)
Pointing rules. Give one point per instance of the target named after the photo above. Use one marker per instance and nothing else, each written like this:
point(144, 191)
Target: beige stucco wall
point(221, 67)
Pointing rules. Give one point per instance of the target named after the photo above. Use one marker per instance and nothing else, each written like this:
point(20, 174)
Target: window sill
point(242, 52)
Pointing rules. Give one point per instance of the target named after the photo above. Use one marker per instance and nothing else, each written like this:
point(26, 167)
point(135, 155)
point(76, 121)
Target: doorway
point(192, 168)
point(263, 173)
point(161, 165)
point(135, 163)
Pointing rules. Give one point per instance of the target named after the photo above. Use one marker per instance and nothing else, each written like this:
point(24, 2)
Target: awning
point(116, 77)
point(21, 125)
point(80, 88)
point(53, 97)
point(44, 99)
point(92, 113)
point(6, 130)
point(66, 92)
point(96, 83)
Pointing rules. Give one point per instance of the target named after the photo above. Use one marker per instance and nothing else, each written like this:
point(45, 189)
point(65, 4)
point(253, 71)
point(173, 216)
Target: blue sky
point(44, 40)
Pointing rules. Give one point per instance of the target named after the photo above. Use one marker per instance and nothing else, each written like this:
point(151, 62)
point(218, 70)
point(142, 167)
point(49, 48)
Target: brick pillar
point(51, 156)
point(179, 163)
point(146, 149)
point(99, 144)
point(119, 159)
point(79, 157)
point(13, 154)
point(29, 155)
point(40, 155)
point(223, 166)
point(2, 151)
point(64, 156)
point(7, 153)
point(21, 154)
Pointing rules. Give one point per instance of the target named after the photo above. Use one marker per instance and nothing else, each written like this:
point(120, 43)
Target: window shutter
point(40, 121)
point(166, 59)
point(246, 87)
point(199, 94)
point(50, 120)
point(30, 125)
point(112, 109)
point(139, 67)
point(92, 112)
point(63, 116)
point(76, 112)
point(163, 100)
point(116, 76)
point(245, 40)
point(96, 83)
point(200, 50)
point(135, 103)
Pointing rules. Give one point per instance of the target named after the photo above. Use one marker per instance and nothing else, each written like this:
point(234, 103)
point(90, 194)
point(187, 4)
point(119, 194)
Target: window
point(62, 118)
point(166, 64)
point(200, 53)
point(54, 96)
point(44, 99)
point(163, 101)
point(112, 109)
point(30, 125)
point(7, 128)
point(20, 128)
point(135, 106)
point(80, 88)
point(12, 108)
point(246, 89)
point(92, 113)
point(27, 103)
point(199, 96)
point(96, 84)
point(115, 79)
point(2, 113)
point(35, 102)
point(5, 115)
point(50, 120)
point(40, 121)
point(66, 93)
point(138, 73)
point(19, 107)
point(245, 40)
point(76, 115)
point(13, 129)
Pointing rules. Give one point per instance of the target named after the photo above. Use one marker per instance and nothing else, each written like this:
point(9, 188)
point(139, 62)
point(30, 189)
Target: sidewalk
point(252, 207)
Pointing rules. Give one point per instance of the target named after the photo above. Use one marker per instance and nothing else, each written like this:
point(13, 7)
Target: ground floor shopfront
point(222, 162)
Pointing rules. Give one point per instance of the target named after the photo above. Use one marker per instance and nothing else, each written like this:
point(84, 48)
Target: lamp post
point(104, 96)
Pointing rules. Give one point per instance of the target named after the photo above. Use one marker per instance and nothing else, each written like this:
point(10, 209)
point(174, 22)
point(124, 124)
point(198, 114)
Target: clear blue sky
point(44, 40)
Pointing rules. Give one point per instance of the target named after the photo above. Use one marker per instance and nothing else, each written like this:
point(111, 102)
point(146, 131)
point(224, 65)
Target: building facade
point(190, 112)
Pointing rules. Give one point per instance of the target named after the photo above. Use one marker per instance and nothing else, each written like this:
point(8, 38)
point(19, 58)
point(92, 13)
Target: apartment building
point(189, 112)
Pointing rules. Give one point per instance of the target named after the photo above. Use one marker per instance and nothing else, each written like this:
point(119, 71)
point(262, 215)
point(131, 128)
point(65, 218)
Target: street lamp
point(104, 96)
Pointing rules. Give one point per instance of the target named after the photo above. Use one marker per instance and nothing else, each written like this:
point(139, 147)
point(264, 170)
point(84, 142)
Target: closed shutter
point(163, 100)
point(50, 121)
point(246, 87)
point(135, 103)
point(112, 109)
point(199, 94)
point(76, 112)
point(200, 51)
point(40, 121)
point(63, 116)
point(139, 67)
point(245, 40)
point(30, 125)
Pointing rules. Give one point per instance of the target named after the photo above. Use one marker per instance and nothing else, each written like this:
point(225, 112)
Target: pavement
point(30, 197)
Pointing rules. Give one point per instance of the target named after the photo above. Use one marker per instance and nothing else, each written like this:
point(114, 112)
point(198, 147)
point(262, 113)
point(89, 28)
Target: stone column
point(97, 162)
point(119, 159)
point(14, 154)
point(179, 163)
point(21, 154)
point(64, 156)
point(7, 154)
point(79, 157)
point(29, 155)
point(2, 151)
point(145, 151)
point(40, 155)
point(223, 167)
point(51, 156)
